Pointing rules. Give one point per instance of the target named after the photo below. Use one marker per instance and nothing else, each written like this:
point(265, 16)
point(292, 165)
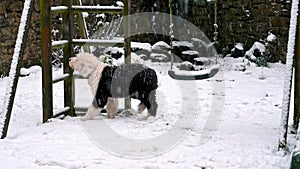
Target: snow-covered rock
point(182, 44)
point(185, 66)
point(161, 45)
point(136, 46)
point(159, 57)
point(238, 50)
point(189, 55)
point(239, 46)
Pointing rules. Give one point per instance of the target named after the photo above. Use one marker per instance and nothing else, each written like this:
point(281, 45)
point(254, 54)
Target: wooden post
point(68, 52)
point(127, 44)
point(45, 14)
point(82, 27)
point(297, 76)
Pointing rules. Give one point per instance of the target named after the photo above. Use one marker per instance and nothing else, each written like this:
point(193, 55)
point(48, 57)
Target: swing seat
point(194, 75)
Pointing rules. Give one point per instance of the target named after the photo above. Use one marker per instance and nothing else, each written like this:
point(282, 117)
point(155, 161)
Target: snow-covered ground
point(244, 135)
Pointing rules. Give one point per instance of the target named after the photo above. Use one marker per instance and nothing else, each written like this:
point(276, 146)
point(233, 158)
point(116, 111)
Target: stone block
point(2, 8)
point(15, 6)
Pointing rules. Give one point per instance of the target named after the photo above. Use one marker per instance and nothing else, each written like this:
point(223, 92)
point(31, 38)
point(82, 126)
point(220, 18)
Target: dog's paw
point(141, 117)
point(85, 118)
point(150, 118)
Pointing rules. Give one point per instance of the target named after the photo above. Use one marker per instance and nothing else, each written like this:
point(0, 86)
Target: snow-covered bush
point(257, 54)
point(260, 52)
point(106, 59)
point(114, 52)
point(272, 46)
point(255, 51)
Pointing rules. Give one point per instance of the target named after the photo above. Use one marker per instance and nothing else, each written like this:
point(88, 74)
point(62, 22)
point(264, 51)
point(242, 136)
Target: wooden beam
point(127, 43)
point(98, 42)
point(92, 9)
point(45, 9)
point(297, 76)
point(68, 52)
point(97, 9)
point(290, 64)
point(82, 27)
point(15, 67)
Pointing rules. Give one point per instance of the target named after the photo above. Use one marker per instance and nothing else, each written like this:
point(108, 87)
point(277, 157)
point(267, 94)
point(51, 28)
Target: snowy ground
point(242, 136)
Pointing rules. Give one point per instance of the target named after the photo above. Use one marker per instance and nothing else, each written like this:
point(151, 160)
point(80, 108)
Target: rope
point(216, 21)
point(171, 33)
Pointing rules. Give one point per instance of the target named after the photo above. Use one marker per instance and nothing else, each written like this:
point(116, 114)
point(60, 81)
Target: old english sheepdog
point(111, 82)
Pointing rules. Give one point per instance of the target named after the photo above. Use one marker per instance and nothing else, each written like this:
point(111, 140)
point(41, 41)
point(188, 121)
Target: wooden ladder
point(68, 9)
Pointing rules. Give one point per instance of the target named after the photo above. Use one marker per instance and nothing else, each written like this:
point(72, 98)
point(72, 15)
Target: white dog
point(110, 82)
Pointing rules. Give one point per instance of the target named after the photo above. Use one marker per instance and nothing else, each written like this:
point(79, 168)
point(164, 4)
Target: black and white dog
point(111, 82)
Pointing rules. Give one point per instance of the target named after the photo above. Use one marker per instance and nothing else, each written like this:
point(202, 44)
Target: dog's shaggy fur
point(110, 82)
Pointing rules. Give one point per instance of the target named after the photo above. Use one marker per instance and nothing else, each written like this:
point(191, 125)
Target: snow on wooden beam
point(56, 44)
point(59, 8)
point(60, 78)
point(91, 9)
point(96, 42)
point(288, 77)
point(60, 112)
point(97, 9)
point(15, 67)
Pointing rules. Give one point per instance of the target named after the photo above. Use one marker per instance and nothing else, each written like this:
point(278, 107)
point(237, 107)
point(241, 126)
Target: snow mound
point(239, 46)
point(143, 46)
point(27, 71)
point(190, 52)
point(182, 43)
point(161, 45)
point(271, 38)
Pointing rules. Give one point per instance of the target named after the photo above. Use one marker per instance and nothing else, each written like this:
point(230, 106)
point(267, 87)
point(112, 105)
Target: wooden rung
point(78, 76)
point(98, 42)
point(59, 9)
point(91, 9)
point(80, 109)
point(60, 78)
point(60, 112)
point(97, 9)
point(57, 44)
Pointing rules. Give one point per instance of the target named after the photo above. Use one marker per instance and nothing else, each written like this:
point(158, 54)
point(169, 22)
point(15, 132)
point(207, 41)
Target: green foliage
point(261, 61)
point(106, 59)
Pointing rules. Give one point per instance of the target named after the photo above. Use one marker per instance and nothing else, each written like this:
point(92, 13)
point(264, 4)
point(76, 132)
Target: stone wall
point(245, 21)
point(10, 15)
